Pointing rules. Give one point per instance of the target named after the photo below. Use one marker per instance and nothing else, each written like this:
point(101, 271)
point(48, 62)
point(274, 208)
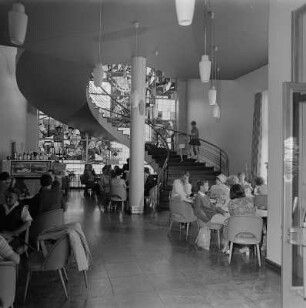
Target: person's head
point(185, 177)
point(146, 170)
point(237, 191)
point(118, 172)
point(5, 178)
point(241, 176)
point(202, 186)
point(231, 180)
point(193, 123)
point(51, 173)
point(11, 196)
point(88, 167)
point(46, 180)
point(105, 170)
point(259, 181)
point(221, 179)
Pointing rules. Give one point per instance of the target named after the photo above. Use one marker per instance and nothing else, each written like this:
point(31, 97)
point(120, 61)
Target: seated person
point(21, 186)
point(7, 253)
point(118, 186)
point(47, 199)
point(231, 180)
point(220, 189)
point(55, 182)
point(245, 185)
point(239, 205)
point(204, 209)
point(88, 178)
point(117, 180)
point(104, 186)
point(181, 188)
point(15, 219)
point(5, 182)
point(261, 188)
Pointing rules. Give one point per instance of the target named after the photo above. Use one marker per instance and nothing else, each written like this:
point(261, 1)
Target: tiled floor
point(136, 264)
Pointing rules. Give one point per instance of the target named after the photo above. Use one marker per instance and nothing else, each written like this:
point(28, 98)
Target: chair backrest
point(45, 221)
point(181, 211)
point(57, 255)
point(261, 202)
point(7, 283)
point(244, 229)
point(118, 191)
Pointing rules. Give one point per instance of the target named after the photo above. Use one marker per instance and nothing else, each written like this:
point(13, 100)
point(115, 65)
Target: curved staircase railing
point(209, 153)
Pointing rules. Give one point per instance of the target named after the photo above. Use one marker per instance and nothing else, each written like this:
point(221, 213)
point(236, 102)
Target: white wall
point(233, 132)
point(14, 122)
point(279, 72)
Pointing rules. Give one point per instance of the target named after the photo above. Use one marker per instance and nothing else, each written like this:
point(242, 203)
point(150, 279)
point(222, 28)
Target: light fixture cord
point(100, 32)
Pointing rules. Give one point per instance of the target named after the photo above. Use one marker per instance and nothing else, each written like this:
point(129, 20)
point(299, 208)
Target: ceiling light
point(184, 11)
point(205, 63)
point(18, 21)
point(98, 74)
point(212, 96)
point(216, 111)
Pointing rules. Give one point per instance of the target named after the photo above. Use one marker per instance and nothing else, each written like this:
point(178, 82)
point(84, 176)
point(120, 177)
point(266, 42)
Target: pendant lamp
point(18, 21)
point(216, 111)
point(98, 72)
point(212, 96)
point(184, 11)
point(205, 63)
point(212, 93)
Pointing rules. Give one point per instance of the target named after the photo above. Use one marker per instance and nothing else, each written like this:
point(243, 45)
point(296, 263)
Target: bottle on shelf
point(28, 155)
point(20, 156)
point(24, 156)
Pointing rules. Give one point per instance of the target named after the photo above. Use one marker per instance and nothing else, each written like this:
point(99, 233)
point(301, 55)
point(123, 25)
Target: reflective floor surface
point(135, 263)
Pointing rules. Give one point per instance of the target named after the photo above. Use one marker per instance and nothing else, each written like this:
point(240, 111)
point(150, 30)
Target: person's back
point(50, 199)
point(47, 199)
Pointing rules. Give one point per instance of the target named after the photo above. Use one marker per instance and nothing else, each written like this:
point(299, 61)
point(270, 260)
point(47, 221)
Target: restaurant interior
point(99, 83)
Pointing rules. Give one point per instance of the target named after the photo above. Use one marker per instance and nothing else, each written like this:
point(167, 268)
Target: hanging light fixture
point(184, 11)
point(205, 64)
point(216, 111)
point(98, 72)
point(216, 108)
point(18, 21)
point(212, 92)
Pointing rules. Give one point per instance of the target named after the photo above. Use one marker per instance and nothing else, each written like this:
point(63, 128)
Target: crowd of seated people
point(230, 196)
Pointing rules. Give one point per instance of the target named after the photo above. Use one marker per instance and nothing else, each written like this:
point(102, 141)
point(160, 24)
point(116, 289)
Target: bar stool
point(216, 228)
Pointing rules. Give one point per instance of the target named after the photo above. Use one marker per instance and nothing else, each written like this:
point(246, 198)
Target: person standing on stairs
point(194, 140)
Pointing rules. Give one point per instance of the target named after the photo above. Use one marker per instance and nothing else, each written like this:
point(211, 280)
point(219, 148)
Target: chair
point(261, 202)
point(182, 212)
point(245, 230)
point(118, 194)
point(45, 221)
point(55, 260)
point(8, 272)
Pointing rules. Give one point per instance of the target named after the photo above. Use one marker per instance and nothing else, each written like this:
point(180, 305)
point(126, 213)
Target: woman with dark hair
point(194, 140)
point(239, 205)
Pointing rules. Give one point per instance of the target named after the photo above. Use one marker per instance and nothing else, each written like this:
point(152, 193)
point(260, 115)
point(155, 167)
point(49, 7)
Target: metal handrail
point(209, 153)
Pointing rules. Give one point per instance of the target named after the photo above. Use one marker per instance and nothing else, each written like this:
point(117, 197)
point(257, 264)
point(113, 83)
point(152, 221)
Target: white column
point(136, 178)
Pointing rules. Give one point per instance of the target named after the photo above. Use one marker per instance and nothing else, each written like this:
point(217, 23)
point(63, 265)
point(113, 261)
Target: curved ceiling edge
point(58, 88)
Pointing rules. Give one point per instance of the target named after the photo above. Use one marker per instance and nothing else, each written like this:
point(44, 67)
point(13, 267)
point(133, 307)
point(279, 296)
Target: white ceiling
point(69, 30)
